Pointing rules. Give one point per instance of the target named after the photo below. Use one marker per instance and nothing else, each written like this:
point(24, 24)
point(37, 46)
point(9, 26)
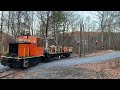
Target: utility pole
point(80, 40)
point(102, 27)
point(83, 39)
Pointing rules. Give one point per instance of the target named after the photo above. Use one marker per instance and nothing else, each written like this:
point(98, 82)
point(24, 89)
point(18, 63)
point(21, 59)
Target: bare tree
point(107, 22)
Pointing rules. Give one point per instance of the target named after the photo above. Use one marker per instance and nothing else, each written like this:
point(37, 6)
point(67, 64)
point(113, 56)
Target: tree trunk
point(113, 42)
point(63, 35)
point(32, 23)
point(47, 25)
point(1, 31)
point(18, 23)
point(109, 41)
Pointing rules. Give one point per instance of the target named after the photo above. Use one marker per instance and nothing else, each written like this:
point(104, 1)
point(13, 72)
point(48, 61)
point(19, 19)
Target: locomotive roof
point(31, 36)
point(19, 43)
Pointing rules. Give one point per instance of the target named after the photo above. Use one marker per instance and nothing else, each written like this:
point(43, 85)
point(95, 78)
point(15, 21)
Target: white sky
point(84, 14)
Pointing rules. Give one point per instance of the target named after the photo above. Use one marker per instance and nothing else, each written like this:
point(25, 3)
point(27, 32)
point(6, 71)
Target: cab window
point(39, 42)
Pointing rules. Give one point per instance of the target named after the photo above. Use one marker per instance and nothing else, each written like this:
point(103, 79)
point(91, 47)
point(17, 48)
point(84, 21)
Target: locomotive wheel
point(46, 59)
point(11, 66)
point(59, 57)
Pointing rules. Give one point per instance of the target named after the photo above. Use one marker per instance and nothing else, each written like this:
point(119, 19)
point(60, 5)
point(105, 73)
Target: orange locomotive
point(32, 47)
point(29, 51)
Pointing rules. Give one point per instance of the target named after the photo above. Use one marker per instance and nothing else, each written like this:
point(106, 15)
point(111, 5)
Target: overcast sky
point(84, 14)
point(91, 14)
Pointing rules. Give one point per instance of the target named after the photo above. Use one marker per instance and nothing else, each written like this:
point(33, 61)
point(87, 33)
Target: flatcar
point(29, 51)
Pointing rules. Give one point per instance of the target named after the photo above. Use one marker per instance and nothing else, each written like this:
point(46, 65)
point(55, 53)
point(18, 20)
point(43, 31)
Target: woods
point(63, 28)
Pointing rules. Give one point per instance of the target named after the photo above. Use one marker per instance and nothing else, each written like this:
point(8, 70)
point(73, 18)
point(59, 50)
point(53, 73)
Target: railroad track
point(5, 70)
point(10, 73)
point(7, 73)
point(69, 57)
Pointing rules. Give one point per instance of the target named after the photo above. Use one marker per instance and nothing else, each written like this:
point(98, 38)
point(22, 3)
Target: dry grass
point(97, 53)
